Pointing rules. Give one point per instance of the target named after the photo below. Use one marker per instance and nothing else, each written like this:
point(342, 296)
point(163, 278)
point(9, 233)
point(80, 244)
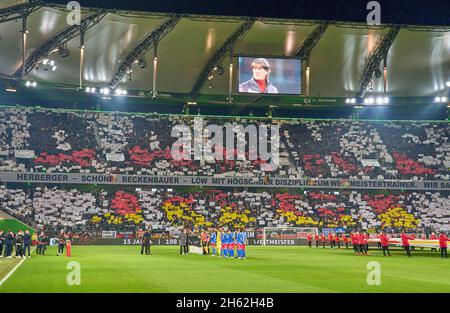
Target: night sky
point(417, 12)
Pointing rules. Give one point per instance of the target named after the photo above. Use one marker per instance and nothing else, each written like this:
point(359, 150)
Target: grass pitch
point(266, 270)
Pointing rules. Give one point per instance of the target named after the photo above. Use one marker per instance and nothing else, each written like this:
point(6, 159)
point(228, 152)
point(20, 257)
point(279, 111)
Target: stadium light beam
point(308, 75)
point(155, 71)
point(105, 91)
point(24, 44)
point(30, 84)
point(230, 79)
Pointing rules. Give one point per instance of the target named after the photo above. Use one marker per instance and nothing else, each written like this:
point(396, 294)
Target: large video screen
point(269, 75)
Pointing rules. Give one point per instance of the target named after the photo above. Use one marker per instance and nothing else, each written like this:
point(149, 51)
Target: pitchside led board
point(268, 75)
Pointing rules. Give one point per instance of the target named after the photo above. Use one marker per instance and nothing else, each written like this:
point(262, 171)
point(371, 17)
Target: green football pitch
point(266, 270)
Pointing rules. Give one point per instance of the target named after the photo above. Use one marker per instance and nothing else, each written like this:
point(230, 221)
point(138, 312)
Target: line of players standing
point(218, 242)
point(360, 242)
point(19, 242)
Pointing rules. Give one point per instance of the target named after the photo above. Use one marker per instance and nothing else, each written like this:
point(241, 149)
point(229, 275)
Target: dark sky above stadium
point(419, 12)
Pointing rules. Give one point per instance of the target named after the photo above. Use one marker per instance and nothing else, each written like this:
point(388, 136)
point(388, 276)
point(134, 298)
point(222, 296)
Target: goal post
point(286, 232)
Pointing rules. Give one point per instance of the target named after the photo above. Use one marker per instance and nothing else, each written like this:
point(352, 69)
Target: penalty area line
point(13, 270)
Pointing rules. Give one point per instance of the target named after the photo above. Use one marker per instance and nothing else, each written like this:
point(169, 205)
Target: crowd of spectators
point(99, 142)
point(167, 210)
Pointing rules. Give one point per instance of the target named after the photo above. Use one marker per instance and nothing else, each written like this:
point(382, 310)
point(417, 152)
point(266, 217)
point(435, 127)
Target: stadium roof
point(341, 53)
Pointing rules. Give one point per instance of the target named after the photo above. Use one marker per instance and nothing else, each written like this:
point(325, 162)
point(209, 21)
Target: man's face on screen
point(259, 73)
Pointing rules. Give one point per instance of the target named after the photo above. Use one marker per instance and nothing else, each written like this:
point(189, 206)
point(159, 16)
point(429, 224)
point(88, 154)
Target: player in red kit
point(366, 242)
point(361, 244)
point(384, 240)
point(345, 240)
point(323, 238)
point(316, 239)
point(309, 238)
point(443, 244)
point(331, 240)
point(337, 240)
point(354, 237)
point(405, 243)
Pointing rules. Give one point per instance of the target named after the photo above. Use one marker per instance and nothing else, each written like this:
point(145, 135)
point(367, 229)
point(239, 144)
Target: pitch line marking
point(13, 270)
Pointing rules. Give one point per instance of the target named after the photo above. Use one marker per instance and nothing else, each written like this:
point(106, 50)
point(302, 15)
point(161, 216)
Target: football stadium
point(151, 152)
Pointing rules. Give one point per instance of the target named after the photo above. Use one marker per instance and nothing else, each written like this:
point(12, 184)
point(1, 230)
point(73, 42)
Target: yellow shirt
point(218, 239)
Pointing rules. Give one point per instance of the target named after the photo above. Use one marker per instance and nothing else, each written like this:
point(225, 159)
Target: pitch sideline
point(4, 279)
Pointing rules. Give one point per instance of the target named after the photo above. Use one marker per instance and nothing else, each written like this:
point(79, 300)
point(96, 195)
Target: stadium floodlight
point(45, 61)
point(52, 63)
point(369, 100)
point(380, 100)
point(120, 92)
point(105, 91)
point(444, 99)
point(437, 99)
point(28, 84)
point(448, 84)
point(386, 100)
point(347, 100)
point(93, 90)
point(88, 89)
point(54, 68)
